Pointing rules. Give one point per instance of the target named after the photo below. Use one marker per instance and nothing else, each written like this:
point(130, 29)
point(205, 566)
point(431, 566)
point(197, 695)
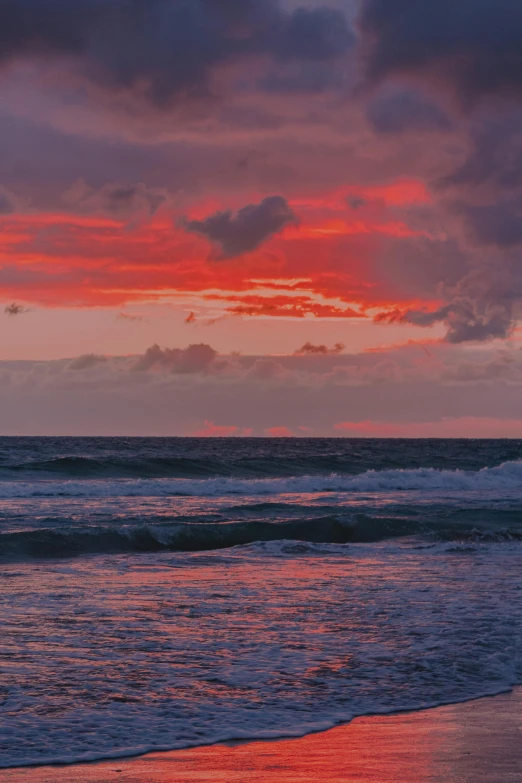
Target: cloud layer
point(412, 391)
point(473, 45)
point(166, 49)
point(265, 159)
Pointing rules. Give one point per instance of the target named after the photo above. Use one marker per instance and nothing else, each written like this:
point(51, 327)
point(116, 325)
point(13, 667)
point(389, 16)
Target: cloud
point(15, 309)
point(86, 362)
point(494, 154)
point(279, 432)
point(416, 267)
point(308, 349)
point(266, 369)
point(115, 198)
point(504, 365)
point(166, 48)
point(247, 229)
point(482, 306)
point(406, 110)
point(399, 391)
point(306, 78)
point(466, 320)
point(474, 46)
point(211, 430)
point(59, 258)
point(498, 224)
point(129, 317)
point(373, 232)
point(194, 359)
point(286, 307)
point(314, 34)
point(356, 202)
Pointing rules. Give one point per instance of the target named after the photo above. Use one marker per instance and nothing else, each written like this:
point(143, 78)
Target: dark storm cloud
point(307, 78)
point(314, 34)
point(483, 306)
point(487, 302)
point(498, 224)
point(166, 47)
point(476, 43)
point(404, 111)
point(495, 154)
point(247, 229)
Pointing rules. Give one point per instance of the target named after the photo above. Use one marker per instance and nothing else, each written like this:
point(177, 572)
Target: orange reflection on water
point(477, 742)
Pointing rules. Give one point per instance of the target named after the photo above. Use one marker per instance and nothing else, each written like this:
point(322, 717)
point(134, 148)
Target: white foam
point(106, 661)
point(507, 476)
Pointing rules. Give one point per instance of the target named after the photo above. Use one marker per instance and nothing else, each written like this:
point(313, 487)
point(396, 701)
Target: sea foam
point(508, 476)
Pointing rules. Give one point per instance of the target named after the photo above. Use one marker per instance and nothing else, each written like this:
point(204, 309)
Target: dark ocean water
point(172, 592)
point(70, 458)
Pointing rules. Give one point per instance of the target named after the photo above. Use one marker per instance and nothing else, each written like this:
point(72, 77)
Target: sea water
point(166, 593)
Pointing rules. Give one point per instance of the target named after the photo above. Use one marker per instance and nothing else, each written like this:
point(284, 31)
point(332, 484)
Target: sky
point(261, 217)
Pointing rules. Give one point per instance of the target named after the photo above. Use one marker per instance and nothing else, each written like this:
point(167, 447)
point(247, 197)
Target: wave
point(507, 476)
point(155, 467)
point(178, 458)
point(198, 537)
point(270, 466)
point(177, 537)
point(232, 733)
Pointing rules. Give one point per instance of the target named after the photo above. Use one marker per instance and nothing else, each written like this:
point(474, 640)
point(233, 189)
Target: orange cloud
point(285, 306)
point(78, 260)
point(279, 432)
point(212, 430)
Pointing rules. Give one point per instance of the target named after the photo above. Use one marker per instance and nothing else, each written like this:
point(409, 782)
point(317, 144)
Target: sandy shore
point(476, 742)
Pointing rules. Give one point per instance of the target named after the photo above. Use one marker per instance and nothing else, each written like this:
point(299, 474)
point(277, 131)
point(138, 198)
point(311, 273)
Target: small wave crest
point(198, 537)
point(53, 543)
point(89, 467)
point(507, 476)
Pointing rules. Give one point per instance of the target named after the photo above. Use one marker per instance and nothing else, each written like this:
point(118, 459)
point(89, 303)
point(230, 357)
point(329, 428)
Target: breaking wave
point(197, 537)
point(250, 458)
point(507, 476)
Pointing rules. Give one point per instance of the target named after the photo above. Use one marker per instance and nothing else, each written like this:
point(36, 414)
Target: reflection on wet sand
point(477, 742)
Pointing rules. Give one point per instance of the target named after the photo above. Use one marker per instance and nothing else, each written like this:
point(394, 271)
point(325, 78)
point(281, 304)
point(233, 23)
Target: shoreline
point(233, 740)
point(476, 741)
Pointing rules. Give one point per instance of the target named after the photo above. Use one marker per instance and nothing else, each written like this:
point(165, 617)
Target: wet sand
point(476, 742)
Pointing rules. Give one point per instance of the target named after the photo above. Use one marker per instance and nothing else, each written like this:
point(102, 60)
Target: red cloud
point(212, 430)
point(64, 259)
point(289, 306)
point(279, 432)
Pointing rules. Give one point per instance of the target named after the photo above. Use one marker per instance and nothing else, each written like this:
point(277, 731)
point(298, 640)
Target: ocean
point(168, 593)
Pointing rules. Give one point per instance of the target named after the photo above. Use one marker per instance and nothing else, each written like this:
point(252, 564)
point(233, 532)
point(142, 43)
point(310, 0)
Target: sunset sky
point(261, 217)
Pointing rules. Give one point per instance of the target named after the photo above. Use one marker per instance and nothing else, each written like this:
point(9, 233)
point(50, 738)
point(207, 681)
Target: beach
point(474, 742)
